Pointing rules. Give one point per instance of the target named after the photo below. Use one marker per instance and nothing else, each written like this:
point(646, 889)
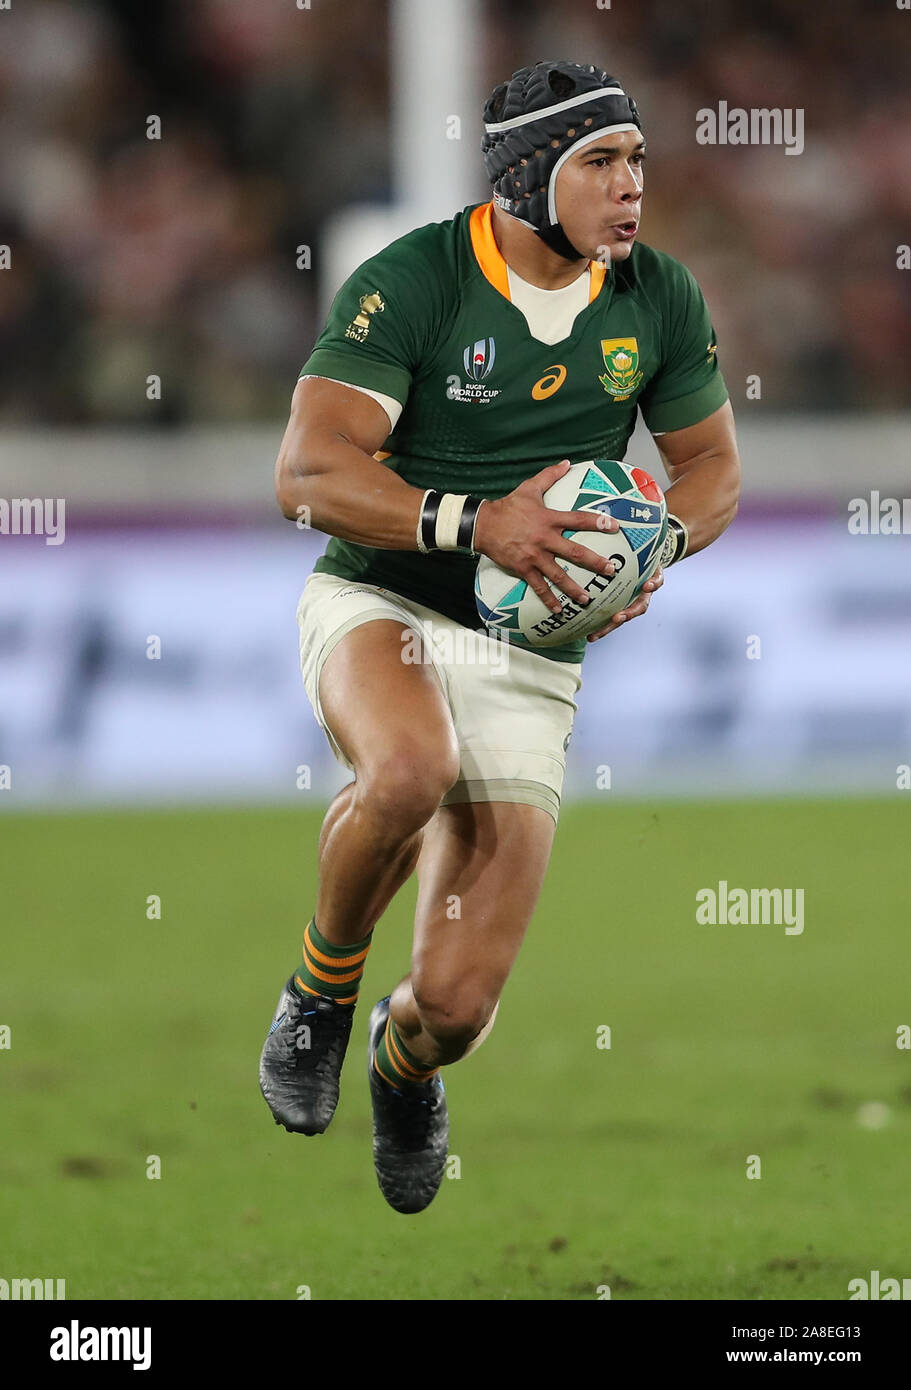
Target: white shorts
point(512, 710)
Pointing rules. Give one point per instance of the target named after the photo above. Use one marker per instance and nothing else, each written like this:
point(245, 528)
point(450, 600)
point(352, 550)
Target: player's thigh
point(389, 716)
point(480, 874)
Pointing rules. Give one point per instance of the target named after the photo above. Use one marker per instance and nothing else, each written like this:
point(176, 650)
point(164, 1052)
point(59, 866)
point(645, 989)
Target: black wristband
point(466, 524)
point(675, 542)
point(429, 519)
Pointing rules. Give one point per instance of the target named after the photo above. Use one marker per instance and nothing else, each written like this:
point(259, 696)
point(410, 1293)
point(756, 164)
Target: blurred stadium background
point(328, 128)
point(177, 258)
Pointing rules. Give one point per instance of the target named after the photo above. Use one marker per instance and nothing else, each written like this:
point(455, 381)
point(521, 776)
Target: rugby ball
point(510, 607)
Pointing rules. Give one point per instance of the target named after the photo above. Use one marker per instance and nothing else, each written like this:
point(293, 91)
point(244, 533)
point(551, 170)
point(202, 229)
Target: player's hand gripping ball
point(509, 606)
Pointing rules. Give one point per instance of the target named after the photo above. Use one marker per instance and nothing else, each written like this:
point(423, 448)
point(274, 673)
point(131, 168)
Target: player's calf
point(484, 1034)
point(446, 1031)
point(372, 836)
point(442, 1020)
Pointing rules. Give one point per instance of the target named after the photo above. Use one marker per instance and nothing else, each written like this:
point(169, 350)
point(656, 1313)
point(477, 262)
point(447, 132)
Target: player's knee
point(402, 790)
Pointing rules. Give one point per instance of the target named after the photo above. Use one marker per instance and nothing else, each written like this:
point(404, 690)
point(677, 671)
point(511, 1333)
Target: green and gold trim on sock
point(395, 1063)
point(331, 970)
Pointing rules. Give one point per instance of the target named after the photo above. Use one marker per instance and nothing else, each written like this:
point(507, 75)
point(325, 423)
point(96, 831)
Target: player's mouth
point(626, 230)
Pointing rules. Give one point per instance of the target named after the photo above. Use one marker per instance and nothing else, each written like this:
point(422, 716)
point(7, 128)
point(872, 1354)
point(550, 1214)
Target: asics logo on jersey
point(550, 382)
point(479, 358)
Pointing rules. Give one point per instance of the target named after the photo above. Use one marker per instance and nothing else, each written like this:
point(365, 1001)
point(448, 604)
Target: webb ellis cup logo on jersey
point(359, 326)
point(477, 359)
point(621, 361)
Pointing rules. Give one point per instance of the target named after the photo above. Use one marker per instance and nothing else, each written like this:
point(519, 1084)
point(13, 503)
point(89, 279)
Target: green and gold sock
point(395, 1063)
point(329, 969)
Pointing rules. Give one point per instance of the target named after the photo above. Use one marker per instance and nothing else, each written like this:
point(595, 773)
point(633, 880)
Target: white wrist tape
point(448, 518)
point(420, 539)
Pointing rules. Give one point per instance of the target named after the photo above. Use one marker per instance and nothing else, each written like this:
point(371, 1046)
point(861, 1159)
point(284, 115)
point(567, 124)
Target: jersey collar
point(490, 258)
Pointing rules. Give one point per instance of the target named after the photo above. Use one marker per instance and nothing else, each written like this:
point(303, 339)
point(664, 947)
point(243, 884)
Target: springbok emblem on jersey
point(621, 361)
point(479, 358)
point(359, 326)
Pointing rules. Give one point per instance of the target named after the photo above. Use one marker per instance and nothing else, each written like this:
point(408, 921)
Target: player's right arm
point(326, 474)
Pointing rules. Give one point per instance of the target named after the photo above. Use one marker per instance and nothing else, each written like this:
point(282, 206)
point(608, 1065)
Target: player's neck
point(526, 254)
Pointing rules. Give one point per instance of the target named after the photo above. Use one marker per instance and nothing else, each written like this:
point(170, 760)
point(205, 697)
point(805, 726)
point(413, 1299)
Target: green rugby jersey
point(429, 321)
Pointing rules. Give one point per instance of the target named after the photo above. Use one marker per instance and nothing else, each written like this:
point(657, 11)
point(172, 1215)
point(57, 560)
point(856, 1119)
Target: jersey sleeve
point(688, 386)
point(382, 323)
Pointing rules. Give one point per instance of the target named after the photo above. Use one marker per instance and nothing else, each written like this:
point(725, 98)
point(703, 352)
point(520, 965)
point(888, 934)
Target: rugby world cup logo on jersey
point(621, 367)
point(478, 360)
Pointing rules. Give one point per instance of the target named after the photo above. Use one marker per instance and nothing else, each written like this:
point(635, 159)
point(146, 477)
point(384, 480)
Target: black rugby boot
point(302, 1058)
point(410, 1130)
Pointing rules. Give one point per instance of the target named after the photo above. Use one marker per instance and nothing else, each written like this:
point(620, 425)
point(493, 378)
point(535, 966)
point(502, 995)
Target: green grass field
point(580, 1166)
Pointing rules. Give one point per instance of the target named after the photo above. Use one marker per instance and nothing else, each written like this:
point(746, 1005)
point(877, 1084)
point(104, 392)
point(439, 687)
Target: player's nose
point(628, 187)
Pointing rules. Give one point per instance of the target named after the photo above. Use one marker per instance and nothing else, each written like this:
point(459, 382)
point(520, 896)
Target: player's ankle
point(329, 970)
point(397, 1064)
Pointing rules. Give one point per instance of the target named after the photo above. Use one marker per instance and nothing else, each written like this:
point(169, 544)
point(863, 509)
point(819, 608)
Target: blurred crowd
point(177, 257)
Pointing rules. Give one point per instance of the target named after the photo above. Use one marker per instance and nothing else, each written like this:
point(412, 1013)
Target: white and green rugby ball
point(509, 606)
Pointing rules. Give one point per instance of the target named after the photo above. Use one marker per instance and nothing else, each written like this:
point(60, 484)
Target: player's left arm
point(685, 406)
point(703, 466)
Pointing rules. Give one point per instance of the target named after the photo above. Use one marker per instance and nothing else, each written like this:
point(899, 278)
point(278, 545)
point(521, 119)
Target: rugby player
point(461, 370)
